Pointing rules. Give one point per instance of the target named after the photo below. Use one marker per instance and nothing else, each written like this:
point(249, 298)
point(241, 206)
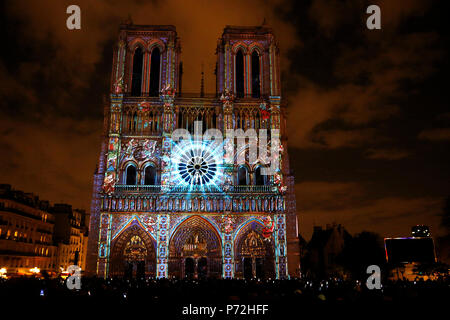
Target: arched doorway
point(202, 268)
point(195, 250)
point(133, 254)
point(189, 268)
point(254, 254)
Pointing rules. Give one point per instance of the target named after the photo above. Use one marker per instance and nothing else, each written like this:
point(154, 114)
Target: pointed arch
point(155, 71)
point(253, 253)
point(207, 222)
point(156, 43)
point(120, 263)
point(150, 174)
point(130, 174)
point(133, 221)
point(256, 73)
point(245, 224)
point(195, 238)
point(256, 46)
point(133, 44)
point(258, 178)
point(242, 178)
point(239, 70)
point(137, 71)
point(239, 46)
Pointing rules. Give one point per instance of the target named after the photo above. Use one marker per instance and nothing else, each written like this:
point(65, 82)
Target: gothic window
point(136, 80)
point(150, 175)
point(256, 90)
point(154, 72)
point(242, 176)
point(131, 175)
point(239, 73)
point(260, 179)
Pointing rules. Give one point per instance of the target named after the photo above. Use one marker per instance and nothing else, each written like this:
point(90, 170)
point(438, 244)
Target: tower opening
point(136, 81)
point(256, 90)
point(154, 72)
point(239, 74)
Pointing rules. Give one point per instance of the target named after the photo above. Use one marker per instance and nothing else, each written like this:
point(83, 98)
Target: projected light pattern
point(197, 165)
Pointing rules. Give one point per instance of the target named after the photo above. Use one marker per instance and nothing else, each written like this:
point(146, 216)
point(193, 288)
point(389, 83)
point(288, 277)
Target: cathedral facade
point(177, 192)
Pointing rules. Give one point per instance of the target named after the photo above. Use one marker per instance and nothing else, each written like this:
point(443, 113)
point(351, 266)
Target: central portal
point(195, 250)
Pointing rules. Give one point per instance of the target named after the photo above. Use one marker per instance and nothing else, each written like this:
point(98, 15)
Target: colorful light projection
point(197, 165)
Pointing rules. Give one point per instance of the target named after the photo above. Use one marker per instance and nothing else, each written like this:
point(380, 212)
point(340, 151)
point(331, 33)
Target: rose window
point(196, 164)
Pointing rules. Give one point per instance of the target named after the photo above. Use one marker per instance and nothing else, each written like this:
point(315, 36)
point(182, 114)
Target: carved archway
point(254, 253)
point(133, 253)
point(197, 239)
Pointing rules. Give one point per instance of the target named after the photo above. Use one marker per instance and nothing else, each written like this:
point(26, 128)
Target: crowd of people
point(170, 295)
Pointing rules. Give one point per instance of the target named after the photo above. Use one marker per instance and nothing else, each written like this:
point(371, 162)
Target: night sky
point(369, 116)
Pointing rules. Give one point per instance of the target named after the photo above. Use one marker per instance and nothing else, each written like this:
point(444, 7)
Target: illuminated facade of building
point(169, 208)
point(71, 235)
point(26, 232)
point(36, 235)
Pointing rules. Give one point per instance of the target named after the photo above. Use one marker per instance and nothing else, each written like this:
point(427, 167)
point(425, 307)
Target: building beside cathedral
point(167, 204)
point(35, 235)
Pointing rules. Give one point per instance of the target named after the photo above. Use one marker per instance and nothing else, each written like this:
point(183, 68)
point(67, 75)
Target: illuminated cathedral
point(165, 207)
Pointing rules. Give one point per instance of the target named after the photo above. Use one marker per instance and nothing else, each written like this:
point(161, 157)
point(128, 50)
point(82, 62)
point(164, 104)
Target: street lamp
point(35, 270)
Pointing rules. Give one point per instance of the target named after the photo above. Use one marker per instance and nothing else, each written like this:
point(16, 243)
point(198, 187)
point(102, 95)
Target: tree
point(443, 243)
point(361, 251)
point(445, 216)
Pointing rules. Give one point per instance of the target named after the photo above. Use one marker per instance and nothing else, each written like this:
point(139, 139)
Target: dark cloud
point(387, 154)
point(441, 134)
